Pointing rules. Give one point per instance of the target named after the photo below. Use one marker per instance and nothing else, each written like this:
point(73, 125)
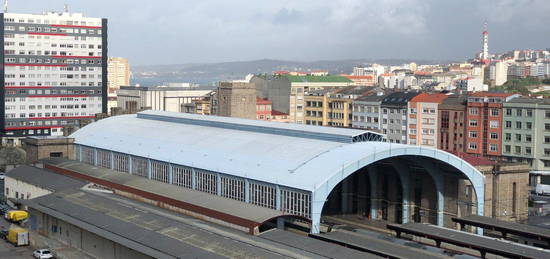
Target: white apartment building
point(160, 98)
point(54, 72)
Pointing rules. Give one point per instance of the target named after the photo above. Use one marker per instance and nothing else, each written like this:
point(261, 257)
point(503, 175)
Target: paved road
point(7, 250)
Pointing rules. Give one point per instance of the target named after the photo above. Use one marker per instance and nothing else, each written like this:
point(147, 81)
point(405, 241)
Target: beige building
point(118, 74)
point(299, 85)
point(159, 98)
point(331, 108)
point(236, 99)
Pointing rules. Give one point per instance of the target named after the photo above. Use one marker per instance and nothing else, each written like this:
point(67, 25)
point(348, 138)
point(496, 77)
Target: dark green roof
point(317, 79)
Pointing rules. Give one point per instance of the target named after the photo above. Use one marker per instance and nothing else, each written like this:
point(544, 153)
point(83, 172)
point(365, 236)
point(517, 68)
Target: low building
point(43, 147)
point(160, 98)
point(28, 182)
point(423, 119)
point(452, 124)
point(264, 111)
point(366, 112)
point(236, 99)
point(331, 107)
point(394, 116)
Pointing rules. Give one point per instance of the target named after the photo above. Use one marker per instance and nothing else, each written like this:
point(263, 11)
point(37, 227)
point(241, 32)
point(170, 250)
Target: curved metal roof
point(303, 161)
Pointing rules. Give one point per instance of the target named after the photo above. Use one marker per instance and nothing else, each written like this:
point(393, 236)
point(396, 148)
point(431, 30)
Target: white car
point(2, 176)
point(42, 254)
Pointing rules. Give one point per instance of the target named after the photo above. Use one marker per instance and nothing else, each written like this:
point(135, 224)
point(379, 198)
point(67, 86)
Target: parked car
point(2, 176)
point(42, 254)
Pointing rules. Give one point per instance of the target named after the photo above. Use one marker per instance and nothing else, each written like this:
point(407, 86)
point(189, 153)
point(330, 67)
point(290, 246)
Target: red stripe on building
point(47, 34)
point(76, 56)
point(75, 26)
point(51, 96)
point(35, 65)
point(35, 127)
point(27, 87)
point(59, 118)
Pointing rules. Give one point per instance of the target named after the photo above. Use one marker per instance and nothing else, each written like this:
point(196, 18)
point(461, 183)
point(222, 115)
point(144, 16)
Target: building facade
point(394, 116)
point(451, 124)
point(54, 72)
point(161, 98)
point(236, 99)
point(366, 112)
point(423, 119)
point(118, 70)
point(484, 128)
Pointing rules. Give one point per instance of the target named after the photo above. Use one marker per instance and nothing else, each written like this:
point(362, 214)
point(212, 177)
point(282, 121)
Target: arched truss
point(321, 192)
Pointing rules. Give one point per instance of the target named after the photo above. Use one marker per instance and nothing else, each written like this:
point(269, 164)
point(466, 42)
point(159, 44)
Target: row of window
point(49, 22)
point(56, 75)
point(48, 107)
point(519, 112)
point(369, 109)
point(40, 123)
point(52, 30)
point(492, 124)
point(261, 194)
point(48, 37)
point(50, 68)
point(47, 83)
point(52, 45)
point(24, 99)
point(53, 61)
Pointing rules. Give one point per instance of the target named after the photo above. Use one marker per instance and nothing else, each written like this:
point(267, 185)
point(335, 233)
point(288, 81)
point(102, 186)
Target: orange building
point(484, 123)
point(265, 112)
point(424, 120)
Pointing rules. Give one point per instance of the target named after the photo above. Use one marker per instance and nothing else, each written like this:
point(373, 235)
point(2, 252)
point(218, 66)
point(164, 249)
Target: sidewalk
point(59, 249)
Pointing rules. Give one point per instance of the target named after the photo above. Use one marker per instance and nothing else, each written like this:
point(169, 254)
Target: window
point(528, 150)
point(547, 152)
point(494, 112)
point(518, 149)
point(473, 134)
point(518, 137)
point(528, 125)
point(528, 138)
point(518, 124)
point(546, 139)
point(529, 113)
point(494, 124)
point(508, 136)
point(508, 124)
point(508, 112)
point(472, 145)
point(507, 149)
point(493, 147)
point(547, 126)
point(494, 135)
point(547, 114)
point(473, 123)
point(473, 111)
point(518, 112)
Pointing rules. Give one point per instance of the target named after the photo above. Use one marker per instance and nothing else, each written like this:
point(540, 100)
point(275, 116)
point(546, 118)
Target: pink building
point(423, 119)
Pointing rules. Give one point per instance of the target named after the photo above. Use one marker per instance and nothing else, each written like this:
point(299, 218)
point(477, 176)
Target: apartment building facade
point(394, 116)
point(366, 112)
point(423, 119)
point(452, 124)
point(327, 108)
point(160, 98)
point(118, 74)
point(484, 128)
point(54, 72)
point(527, 132)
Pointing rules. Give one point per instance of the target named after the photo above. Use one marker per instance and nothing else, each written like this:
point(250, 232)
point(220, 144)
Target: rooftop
point(399, 98)
point(43, 178)
point(429, 98)
point(490, 94)
point(317, 79)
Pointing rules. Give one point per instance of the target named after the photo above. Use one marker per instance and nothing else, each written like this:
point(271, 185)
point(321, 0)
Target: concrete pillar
point(281, 223)
point(170, 174)
point(437, 176)
point(79, 153)
point(112, 160)
point(95, 156)
point(193, 178)
point(374, 203)
point(129, 164)
point(149, 168)
point(246, 191)
point(344, 196)
point(218, 184)
point(362, 194)
point(405, 177)
point(278, 199)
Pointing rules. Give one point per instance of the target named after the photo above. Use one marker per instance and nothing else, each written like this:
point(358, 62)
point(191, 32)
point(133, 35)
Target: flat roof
point(217, 203)
point(314, 246)
point(375, 246)
point(43, 178)
point(469, 240)
point(153, 231)
point(505, 226)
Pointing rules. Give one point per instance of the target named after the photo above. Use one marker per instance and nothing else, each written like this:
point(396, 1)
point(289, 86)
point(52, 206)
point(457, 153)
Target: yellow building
point(118, 75)
point(326, 108)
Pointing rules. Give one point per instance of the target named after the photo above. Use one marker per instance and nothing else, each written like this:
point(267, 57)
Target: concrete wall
point(37, 148)
point(23, 190)
point(275, 89)
point(237, 99)
point(81, 239)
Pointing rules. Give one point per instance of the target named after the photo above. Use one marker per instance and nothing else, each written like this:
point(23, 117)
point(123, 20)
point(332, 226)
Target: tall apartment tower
point(53, 72)
point(118, 74)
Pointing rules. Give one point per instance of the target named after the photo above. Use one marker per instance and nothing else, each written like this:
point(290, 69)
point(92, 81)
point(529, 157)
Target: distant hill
point(212, 72)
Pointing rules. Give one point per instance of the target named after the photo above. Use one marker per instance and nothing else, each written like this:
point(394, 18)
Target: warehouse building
point(299, 171)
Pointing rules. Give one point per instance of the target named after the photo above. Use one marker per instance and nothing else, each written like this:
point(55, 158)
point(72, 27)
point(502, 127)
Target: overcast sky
point(181, 31)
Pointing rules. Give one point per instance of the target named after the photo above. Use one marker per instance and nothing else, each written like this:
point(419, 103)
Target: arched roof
point(306, 159)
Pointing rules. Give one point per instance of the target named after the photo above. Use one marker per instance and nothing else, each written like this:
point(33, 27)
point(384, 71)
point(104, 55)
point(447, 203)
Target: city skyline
point(216, 31)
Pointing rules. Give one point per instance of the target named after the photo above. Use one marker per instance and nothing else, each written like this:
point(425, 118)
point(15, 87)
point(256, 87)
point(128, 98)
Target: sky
point(152, 32)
